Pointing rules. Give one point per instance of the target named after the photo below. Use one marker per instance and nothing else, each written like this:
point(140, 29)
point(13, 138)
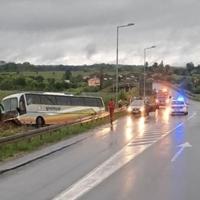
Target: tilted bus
point(50, 108)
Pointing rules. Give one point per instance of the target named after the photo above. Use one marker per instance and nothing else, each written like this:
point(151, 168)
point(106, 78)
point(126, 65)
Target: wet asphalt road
point(143, 148)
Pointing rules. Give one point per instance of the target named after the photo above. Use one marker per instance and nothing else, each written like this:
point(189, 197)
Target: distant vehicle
point(145, 103)
point(136, 107)
point(50, 108)
point(141, 107)
point(162, 98)
point(179, 106)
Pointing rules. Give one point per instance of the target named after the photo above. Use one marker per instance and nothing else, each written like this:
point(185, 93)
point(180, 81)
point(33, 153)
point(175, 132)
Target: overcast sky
point(84, 31)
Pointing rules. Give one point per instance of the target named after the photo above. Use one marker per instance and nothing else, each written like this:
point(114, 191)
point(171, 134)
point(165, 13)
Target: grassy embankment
point(13, 150)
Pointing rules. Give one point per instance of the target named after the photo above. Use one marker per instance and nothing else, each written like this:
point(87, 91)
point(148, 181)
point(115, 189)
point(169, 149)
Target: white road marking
point(140, 144)
point(144, 140)
point(183, 146)
point(107, 168)
point(154, 134)
point(154, 137)
point(189, 118)
point(102, 172)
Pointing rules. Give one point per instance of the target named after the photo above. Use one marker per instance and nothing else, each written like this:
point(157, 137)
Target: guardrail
point(47, 129)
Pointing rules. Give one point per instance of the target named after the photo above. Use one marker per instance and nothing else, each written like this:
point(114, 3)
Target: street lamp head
point(150, 48)
point(126, 25)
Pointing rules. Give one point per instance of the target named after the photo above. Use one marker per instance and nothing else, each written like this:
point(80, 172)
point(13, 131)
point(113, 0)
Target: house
point(93, 82)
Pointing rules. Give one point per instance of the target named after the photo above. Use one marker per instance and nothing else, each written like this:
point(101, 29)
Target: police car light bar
point(180, 98)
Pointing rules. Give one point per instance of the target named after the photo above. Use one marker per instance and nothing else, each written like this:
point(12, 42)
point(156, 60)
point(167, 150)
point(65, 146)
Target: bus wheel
point(40, 122)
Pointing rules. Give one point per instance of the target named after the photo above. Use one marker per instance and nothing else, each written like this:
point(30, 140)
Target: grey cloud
point(45, 15)
point(52, 31)
point(90, 50)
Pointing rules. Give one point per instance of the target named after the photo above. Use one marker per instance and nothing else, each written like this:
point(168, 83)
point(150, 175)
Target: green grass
point(4, 93)
point(57, 75)
point(9, 130)
point(28, 145)
point(46, 74)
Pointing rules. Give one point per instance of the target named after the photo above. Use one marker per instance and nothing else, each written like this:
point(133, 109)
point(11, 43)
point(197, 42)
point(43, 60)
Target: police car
point(179, 106)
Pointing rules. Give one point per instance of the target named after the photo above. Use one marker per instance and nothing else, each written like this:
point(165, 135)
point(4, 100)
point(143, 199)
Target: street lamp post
point(144, 93)
point(117, 73)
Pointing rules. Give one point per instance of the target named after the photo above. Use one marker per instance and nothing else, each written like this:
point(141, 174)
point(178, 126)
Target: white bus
point(50, 108)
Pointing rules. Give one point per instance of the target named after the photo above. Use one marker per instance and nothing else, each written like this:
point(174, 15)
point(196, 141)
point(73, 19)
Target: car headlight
point(167, 101)
point(129, 109)
point(142, 109)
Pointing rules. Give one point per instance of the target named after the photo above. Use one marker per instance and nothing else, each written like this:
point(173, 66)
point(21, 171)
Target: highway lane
point(47, 178)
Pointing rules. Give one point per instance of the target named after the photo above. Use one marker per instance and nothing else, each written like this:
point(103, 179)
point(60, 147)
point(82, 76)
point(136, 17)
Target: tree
point(7, 84)
point(39, 78)
point(190, 67)
point(20, 81)
point(79, 78)
point(155, 67)
point(197, 90)
point(101, 78)
point(161, 68)
point(59, 86)
point(51, 81)
point(196, 70)
point(167, 69)
point(76, 81)
point(67, 75)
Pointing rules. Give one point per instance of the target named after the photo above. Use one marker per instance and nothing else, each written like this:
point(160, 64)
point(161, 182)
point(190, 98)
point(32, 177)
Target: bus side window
point(22, 107)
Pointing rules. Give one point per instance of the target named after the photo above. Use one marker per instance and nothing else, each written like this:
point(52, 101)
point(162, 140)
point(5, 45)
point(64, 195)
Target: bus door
point(22, 106)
